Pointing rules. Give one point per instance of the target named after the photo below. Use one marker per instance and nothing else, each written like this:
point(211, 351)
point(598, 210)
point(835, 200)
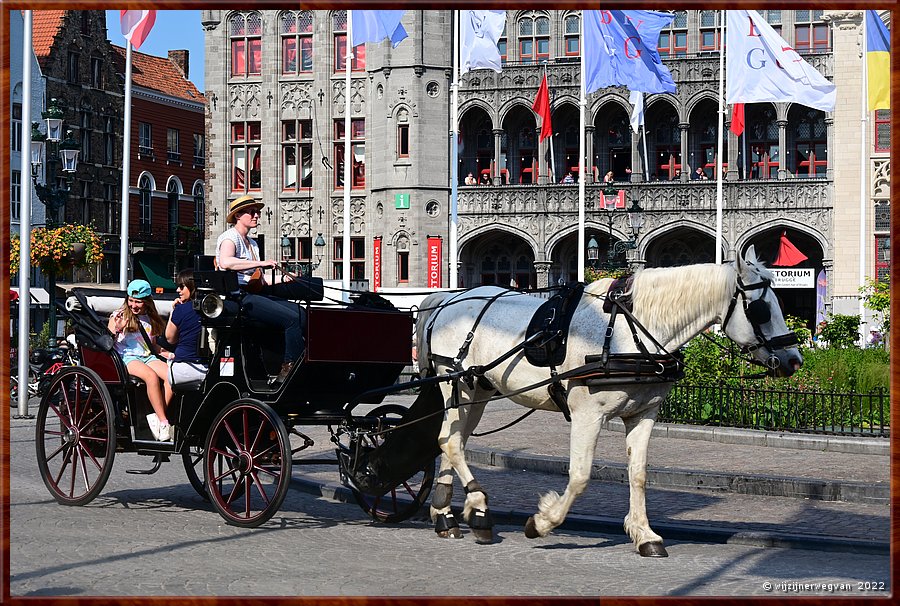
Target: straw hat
point(242, 203)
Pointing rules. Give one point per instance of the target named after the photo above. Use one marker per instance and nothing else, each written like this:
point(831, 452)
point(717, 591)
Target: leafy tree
point(841, 330)
point(877, 297)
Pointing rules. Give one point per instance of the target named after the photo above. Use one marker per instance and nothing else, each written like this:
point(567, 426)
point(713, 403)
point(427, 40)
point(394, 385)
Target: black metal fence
point(848, 414)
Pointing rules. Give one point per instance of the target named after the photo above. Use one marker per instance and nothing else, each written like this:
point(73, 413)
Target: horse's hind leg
point(637, 437)
point(445, 524)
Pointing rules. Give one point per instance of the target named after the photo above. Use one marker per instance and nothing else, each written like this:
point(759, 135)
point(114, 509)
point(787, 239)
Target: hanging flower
point(54, 252)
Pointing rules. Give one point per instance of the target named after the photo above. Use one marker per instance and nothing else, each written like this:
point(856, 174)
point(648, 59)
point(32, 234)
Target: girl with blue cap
point(139, 353)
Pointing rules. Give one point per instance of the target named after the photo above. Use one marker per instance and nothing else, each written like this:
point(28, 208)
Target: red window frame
point(296, 43)
point(246, 138)
point(357, 138)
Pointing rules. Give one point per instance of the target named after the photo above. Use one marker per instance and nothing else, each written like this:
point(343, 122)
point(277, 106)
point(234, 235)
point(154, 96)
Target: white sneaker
point(166, 433)
point(153, 422)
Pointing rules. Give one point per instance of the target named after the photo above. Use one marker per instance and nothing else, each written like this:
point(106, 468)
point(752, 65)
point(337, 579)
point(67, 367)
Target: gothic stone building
point(276, 86)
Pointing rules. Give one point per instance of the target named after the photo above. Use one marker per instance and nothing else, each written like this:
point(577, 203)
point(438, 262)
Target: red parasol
point(788, 254)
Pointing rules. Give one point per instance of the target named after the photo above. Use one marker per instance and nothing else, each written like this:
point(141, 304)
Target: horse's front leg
point(553, 508)
point(458, 424)
point(637, 438)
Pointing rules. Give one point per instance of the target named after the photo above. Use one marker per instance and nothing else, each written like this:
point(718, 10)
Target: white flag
point(637, 115)
point(480, 32)
point(761, 66)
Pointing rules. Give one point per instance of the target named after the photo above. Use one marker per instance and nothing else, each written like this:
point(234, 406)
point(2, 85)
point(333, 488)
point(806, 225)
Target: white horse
point(673, 304)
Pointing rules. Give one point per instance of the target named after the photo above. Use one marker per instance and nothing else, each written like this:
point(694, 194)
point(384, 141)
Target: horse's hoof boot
point(531, 528)
point(483, 535)
point(446, 526)
point(653, 550)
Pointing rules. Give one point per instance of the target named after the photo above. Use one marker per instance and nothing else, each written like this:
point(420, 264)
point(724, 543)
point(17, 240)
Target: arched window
point(296, 39)
point(762, 141)
point(501, 44)
point(573, 36)
point(534, 38)
point(145, 187)
point(199, 207)
point(807, 142)
point(245, 30)
point(339, 29)
point(87, 152)
point(173, 189)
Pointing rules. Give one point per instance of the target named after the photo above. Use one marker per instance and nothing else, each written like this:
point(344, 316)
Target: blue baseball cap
point(139, 289)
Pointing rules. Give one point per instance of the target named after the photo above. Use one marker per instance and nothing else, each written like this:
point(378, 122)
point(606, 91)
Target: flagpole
point(348, 160)
point(25, 221)
point(864, 125)
point(719, 145)
point(454, 156)
point(126, 170)
point(582, 104)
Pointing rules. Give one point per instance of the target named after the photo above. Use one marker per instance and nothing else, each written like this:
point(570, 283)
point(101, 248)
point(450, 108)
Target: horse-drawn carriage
point(233, 431)
point(566, 355)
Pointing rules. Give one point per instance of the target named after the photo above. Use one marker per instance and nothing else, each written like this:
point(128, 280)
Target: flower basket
point(60, 249)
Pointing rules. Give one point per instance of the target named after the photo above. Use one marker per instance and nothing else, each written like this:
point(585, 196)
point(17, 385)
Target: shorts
point(128, 358)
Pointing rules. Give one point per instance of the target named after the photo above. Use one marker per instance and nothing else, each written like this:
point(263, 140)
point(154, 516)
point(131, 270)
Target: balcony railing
point(660, 196)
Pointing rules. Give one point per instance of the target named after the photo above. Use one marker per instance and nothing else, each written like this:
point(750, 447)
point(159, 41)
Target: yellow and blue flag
point(878, 62)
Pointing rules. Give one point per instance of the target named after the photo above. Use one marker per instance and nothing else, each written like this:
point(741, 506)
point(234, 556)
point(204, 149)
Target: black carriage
point(233, 432)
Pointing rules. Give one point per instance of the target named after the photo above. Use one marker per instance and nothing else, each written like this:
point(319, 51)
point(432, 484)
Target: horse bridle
point(758, 313)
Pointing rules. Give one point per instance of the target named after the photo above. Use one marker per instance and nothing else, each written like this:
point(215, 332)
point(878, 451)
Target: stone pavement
point(518, 464)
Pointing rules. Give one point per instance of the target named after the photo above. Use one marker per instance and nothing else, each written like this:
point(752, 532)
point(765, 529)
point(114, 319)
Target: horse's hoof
point(483, 535)
point(531, 528)
point(450, 533)
point(653, 550)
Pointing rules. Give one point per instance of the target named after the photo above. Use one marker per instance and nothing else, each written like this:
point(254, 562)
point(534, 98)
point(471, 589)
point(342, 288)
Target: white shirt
point(244, 248)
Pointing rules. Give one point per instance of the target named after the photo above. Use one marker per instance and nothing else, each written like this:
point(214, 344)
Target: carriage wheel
point(247, 463)
point(192, 457)
point(404, 500)
point(75, 436)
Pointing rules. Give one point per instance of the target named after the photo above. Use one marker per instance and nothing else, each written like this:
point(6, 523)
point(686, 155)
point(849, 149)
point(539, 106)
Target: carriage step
point(158, 460)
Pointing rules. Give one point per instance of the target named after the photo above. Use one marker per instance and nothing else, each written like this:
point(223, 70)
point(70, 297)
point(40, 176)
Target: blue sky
point(174, 30)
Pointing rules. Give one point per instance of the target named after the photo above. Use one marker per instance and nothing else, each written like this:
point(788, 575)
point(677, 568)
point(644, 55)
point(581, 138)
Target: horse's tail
point(429, 306)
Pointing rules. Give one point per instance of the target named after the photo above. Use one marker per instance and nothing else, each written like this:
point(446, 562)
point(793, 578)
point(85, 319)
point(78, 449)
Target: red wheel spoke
point(234, 491)
point(230, 472)
point(61, 417)
point(256, 437)
point(231, 433)
point(86, 407)
point(87, 483)
point(259, 487)
point(101, 413)
point(74, 472)
point(65, 463)
point(247, 497)
point(90, 454)
point(245, 418)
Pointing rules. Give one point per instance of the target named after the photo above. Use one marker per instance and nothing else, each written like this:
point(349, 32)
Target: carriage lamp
point(616, 249)
point(319, 243)
point(635, 218)
point(68, 153)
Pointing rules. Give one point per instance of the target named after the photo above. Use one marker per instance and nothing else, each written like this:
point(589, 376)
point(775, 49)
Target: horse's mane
point(672, 296)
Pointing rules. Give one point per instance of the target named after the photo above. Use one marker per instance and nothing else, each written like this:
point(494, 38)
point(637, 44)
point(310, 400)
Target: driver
point(236, 250)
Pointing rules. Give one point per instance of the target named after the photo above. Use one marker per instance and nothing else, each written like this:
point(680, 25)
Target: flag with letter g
point(620, 50)
point(761, 66)
point(136, 25)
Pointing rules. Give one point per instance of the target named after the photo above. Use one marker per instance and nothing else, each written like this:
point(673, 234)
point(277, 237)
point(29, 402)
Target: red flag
point(136, 25)
point(541, 107)
point(737, 119)
point(788, 254)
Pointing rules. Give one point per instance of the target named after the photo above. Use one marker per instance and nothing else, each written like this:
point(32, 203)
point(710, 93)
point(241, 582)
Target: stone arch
point(151, 181)
point(174, 186)
point(498, 255)
point(679, 243)
point(754, 233)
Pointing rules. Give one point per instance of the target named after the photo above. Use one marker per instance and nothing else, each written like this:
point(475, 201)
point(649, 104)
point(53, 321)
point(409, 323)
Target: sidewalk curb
point(695, 533)
point(769, 486)
point(874, 445)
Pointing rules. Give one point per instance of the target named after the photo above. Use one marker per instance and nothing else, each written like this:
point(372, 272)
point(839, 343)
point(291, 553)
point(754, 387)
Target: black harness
point(758, 313)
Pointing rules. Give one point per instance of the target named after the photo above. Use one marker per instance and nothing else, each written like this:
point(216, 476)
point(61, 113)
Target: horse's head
point(755, 322)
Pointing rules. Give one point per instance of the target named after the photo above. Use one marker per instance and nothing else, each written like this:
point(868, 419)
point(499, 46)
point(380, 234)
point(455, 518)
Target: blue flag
point(375, 26)
point(620, 50)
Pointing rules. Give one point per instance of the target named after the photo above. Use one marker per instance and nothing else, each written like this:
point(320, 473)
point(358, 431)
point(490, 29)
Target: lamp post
point(307, 268)
point(58, 155)
point(635, 222)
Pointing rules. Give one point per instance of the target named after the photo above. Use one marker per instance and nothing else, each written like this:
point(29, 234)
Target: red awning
point(788, 254)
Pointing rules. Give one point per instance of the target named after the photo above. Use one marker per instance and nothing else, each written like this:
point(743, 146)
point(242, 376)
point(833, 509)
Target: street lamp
point(308, 267)
point(58, 155)
point(635, 222)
